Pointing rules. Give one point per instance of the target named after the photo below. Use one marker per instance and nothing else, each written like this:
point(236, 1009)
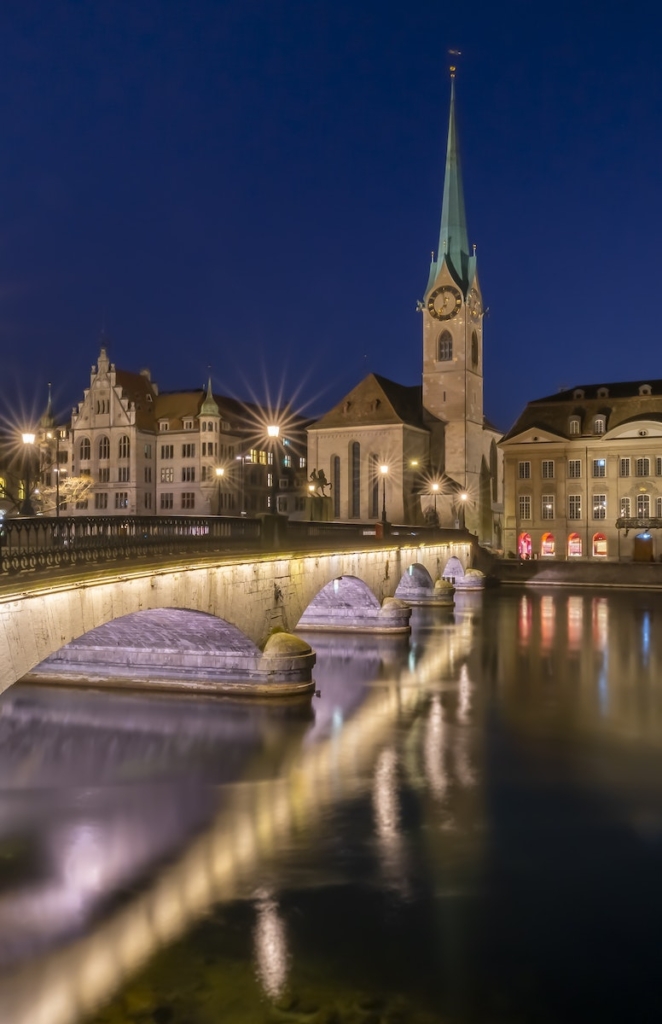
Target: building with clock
point(425, 449)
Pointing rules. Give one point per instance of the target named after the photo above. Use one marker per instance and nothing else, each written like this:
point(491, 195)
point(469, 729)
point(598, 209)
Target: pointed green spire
point(453, 237)
point(209, 406)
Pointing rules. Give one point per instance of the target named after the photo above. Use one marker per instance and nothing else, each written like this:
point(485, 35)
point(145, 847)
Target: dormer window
point(603, 392)
point(164, 425)
point(599, 425)
point(575, 425)
point(645, 389)
point(578, 394)
point(149, 397)
point(188, 424)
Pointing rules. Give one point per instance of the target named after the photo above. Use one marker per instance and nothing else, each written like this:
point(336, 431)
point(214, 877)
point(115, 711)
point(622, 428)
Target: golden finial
point(453, 67)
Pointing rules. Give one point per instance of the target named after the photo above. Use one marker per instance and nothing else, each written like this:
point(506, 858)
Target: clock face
point(475, 305)
point(444, 303)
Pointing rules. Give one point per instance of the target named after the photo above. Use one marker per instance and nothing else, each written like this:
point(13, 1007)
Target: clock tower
point(452, 312)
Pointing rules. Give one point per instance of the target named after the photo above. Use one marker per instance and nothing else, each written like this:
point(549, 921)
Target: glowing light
point(273, 430)
point(383, 469)
point(28, 438)
point(435, 487)
point(220, 471)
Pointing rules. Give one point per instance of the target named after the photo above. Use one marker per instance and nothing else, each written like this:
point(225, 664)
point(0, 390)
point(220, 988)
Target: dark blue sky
point(256, 185)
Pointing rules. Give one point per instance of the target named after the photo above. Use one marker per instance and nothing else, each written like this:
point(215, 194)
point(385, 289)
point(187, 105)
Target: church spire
point(453, 237)
point(209, 406)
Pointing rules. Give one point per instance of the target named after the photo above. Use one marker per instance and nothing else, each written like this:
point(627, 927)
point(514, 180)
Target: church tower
point(452, 311)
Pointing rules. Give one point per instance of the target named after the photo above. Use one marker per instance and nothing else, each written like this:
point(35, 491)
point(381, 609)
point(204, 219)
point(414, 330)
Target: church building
point(424, 453)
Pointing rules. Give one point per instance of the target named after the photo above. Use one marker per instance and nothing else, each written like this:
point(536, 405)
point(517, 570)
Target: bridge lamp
point(311, 491)
point(220, 473)
point(383, 469)
point(28, 441)
point(463, 503)
point(273, 431)
point(435, 491)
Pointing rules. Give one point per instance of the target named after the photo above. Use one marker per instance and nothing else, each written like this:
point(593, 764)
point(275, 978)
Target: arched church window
point(474, 350)
point(85, 449)
point(124, 447)
point(335, 479)
point(355, 479)
point(445, 347)
point(104, 448)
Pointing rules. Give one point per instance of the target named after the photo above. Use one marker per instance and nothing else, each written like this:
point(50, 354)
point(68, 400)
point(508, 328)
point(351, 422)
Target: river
point(465, 826)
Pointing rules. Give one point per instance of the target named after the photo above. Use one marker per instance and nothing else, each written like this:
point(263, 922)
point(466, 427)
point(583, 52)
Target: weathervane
point(453, 68)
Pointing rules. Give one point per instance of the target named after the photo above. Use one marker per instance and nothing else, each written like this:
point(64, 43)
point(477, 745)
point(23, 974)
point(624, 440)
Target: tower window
point(445, 347)
point(474, 350)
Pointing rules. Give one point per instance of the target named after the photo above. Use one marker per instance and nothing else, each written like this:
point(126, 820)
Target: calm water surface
point(466, 826)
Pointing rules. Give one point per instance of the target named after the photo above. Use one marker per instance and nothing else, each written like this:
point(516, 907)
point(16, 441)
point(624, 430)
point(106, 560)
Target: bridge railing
point(44, 543)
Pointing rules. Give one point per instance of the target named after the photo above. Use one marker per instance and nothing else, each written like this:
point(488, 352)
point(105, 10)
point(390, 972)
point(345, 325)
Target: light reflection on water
point(483, 799)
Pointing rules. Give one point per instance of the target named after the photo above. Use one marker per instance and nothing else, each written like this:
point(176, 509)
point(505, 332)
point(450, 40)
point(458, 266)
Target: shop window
point(574, 546)
point(524, 545)
point(547, 546)
point(599, 545)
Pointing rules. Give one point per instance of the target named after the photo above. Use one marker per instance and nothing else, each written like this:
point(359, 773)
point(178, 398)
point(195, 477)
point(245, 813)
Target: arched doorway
point(599, 545)
point(575, 549)
point(643, 548)
point(547, 546)
point(524, 545)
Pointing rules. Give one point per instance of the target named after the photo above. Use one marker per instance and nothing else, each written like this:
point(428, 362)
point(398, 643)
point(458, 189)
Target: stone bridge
point(253, 594)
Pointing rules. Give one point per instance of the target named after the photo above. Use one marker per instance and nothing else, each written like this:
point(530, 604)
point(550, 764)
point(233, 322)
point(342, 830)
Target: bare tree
point(73, 489)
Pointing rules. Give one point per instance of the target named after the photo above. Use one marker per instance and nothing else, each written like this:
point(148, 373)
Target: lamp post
point(56, 435)
point(435, 491)
point(26, 505)
point(311, 491)
point(220, 473)
point(383, 469)
point(463, 503)
point(273, 431)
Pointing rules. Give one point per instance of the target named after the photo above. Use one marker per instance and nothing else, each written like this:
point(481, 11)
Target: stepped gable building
point(440, 451)
point(583, 474)
point(154, 453)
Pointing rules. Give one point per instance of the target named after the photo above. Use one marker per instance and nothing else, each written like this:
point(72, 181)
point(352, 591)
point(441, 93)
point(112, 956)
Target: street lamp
point(273, 431)
point(220, 473)
point(26, 505)
point(50, 435)
point(383, 469)
point(311, 491)
point(463, 501)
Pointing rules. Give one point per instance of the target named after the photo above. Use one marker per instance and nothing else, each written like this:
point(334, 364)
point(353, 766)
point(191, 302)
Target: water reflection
point(271, 953)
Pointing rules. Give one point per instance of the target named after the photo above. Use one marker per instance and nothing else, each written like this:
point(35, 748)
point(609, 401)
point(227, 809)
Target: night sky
point(256, 185)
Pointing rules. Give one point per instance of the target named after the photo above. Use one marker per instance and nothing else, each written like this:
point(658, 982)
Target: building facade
point(583, 474)
point(428, 450)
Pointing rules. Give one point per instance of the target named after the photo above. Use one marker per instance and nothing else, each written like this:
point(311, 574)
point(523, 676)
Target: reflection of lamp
point(26, 504)
point(273, 431)
point(220, 473)
point(383, 469)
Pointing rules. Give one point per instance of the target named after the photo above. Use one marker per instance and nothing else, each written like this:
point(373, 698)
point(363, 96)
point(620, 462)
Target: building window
point(269, 457)
point(188, 451)
point(355, 478)
point(100, 501)
point(188, 474)
point(599, 545)
point(445, 347)
point(148, 451)
point(643, 506)
point(524, 470)
point(166, 501)
point(148, 500)
point(624, 467)
point(645, 389)
point(599, 506)
point(599, 467)
point(104, 447)
point(599, 425)
point(85, 450)
point(167, 474)
point(575, 549)
point(575, 425)
point(121, 499)
point(188, 499)
point(188, 424)
point(658, 466)
point(524, 546)
point(574, 468)
point(167, 451)
point(287, 461)
point(374, 487)
point(547, 469)
point(104, 474)
point(525, 506)
point(547, 546)
point(302, 462)
point(123, 474)
point(335, 479)
point(626, 508)
point(548, 506)
point(474, 350)
point(81, 505)
point(148, 474)
point(124, 447)
point(642, 467)
point(164, 426)
point(574, 506)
